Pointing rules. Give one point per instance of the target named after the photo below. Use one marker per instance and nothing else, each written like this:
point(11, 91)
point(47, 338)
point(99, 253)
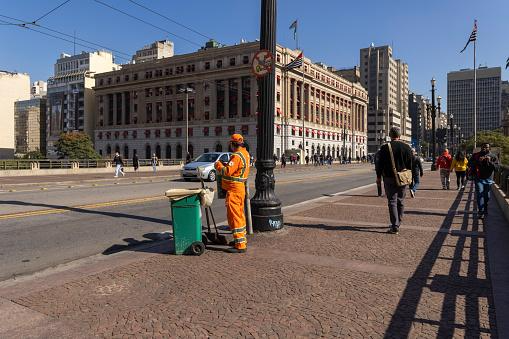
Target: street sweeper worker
point(234, 176)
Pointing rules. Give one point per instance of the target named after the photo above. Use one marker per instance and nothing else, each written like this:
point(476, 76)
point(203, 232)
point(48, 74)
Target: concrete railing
point(502, 179)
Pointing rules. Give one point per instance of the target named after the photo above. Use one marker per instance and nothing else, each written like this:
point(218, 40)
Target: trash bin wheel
point(197, 248)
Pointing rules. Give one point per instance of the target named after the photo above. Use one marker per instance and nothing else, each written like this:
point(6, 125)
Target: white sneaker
point(116, 176)
point(412, 193)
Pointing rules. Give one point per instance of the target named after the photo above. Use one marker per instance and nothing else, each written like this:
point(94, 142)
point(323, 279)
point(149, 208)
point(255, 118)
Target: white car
point(206, 164)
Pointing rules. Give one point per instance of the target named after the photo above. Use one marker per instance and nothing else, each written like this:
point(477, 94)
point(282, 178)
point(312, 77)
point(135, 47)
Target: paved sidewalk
point(332, 272)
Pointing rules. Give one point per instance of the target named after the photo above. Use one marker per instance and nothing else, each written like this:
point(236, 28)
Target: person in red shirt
point(444, 164)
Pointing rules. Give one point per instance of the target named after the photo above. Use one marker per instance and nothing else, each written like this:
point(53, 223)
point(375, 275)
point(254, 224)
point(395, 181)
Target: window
point(168, 90)
point(207, 101)
point(101, 82)
point(232, 61)
point(100, 98)
point(117, 79)
point(166, 71)
point(245, 59)
point(126, 77)
point(219, 64)
point(207, 65)
point(135, 76)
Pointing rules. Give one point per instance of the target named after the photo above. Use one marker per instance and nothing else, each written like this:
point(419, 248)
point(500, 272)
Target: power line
point(48, 13)
point(147, 23)
point(25, 23)
point(171, 20)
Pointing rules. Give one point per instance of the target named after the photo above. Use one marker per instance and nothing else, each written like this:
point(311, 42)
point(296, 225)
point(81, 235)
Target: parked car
point(206, 163)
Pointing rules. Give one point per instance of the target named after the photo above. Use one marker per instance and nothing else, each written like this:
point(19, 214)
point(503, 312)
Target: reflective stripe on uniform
point(240, 240)
point(239, 230)
point(243, 162)
point(228, 178)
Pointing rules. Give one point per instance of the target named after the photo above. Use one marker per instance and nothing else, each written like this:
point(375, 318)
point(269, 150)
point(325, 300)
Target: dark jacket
point(117, 160)
point(402, 159)
point(416, 166)
point(482, 165)
point(136, 161)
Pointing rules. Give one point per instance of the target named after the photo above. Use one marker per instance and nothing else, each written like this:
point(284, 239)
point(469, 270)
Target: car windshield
point(207, 157)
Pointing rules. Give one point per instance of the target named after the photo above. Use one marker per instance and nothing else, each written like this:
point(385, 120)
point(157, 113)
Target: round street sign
point(262, 64)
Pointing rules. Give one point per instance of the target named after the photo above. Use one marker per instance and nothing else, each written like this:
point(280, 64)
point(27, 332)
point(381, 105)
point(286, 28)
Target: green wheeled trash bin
point(187, 229)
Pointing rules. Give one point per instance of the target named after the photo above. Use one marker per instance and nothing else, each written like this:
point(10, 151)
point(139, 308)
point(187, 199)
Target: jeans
point(154, 168)
point(415, 184)
point(482, 190)
point(118, 169)
point(460, 178)
point(445, 177)
point(395, 200)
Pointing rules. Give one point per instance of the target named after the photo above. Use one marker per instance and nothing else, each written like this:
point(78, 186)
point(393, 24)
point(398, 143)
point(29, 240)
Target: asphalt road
point(50, 224)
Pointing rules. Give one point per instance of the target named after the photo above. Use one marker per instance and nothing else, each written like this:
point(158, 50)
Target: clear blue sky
point(428, 35)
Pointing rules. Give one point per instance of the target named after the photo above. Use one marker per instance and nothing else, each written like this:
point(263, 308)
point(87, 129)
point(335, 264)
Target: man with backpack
point(482, 165)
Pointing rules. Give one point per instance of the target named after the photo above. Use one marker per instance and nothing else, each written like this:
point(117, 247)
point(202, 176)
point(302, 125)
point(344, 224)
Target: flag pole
point(475, 100)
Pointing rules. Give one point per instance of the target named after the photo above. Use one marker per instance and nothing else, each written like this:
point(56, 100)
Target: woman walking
point(459, 164)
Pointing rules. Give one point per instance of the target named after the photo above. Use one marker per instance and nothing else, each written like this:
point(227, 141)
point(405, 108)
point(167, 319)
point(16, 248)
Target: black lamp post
point(433, 126)
point(265, 205)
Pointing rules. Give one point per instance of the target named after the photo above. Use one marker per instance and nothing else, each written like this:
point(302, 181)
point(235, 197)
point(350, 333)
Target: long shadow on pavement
point(451, 286)
point(88, 211)
point(368, 229)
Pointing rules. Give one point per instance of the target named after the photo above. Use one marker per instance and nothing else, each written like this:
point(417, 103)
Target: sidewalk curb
point(502, 201)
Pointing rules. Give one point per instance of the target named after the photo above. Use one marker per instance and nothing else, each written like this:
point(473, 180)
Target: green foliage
point(495, 139)
point(34, 155)
point(76, 145)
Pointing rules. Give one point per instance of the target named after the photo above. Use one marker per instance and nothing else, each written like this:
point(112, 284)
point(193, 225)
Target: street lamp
point(433, 125)
point(187, 90)
point(265, 205)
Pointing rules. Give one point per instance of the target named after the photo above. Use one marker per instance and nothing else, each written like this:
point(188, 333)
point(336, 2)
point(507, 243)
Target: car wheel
point(212, 176)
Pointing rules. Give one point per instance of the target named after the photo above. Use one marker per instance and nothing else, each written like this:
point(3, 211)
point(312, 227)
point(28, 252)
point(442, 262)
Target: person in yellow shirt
point(459, 164)
point(233, 181)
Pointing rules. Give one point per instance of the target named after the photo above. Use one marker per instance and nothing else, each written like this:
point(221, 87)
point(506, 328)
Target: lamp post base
point(269, 218)
point(266, 211)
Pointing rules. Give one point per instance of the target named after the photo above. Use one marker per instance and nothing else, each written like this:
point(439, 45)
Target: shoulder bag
point(402, 178)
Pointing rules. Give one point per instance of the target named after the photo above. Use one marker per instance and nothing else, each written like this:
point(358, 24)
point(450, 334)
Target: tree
point(34, 155)
point(495, 139)
point(76, 145)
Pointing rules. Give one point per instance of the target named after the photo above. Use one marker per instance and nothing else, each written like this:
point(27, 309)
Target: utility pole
point(265, 205)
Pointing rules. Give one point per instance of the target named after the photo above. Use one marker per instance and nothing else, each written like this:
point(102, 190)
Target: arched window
point(117, 149)
point(328, 150)
point(158, 151)
point(168, 151)
point(148, 152)
point(179, 151)
point(191, 150)
point(219, 148)
point(126, 152)
point(108, 151)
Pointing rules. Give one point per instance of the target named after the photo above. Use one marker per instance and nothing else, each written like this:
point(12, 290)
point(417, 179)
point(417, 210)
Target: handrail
point(27, 164)
point(501, 177)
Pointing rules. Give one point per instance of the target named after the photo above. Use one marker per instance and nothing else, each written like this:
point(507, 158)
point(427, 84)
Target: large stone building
point(30, 125)
point(156, 50)
point(141, 107)
point(386, 80)
point(71, 100)
point(460, 99)
point(13, 87)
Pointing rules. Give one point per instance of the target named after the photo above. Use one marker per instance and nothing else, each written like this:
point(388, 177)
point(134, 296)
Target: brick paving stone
point(331, 279)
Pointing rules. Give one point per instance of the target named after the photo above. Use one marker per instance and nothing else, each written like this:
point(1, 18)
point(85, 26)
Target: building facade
point(141, 108)
point(504, 99)
point(71, 100)
point(13, 87)
point(157, 50)
point(39, 89)
point(421, 120)
point(460, 99)
point(30, 125)
point(386, 80)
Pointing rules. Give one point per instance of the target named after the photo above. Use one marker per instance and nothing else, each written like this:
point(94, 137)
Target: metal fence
point(502, 179)
point(24, 164)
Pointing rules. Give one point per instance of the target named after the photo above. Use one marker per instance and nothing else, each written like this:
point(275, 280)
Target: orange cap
point(237, 138)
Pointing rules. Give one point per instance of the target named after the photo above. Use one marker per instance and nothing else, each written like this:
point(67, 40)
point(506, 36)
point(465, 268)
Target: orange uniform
point(234, 176)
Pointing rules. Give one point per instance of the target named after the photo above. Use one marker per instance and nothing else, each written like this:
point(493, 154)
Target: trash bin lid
point(206, 194)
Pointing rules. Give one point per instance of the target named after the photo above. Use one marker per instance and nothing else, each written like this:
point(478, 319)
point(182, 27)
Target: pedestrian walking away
point(283, 161)
point(154, 161)
point(188, 158)
point(234, 176)
point(444, 165)
point(417, 173)
point(482, 165)
point(119, 163)
point(394, 158)
point(459, 165)
point(136, 161)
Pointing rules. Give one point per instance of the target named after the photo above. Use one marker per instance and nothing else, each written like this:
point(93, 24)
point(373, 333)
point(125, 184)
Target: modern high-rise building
point(142, 108)
point(421, 119)
point(460, 99)
point(13, 87)
point(30, 125)
point(157, 50)
point(71, 100)
point(386, 80)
